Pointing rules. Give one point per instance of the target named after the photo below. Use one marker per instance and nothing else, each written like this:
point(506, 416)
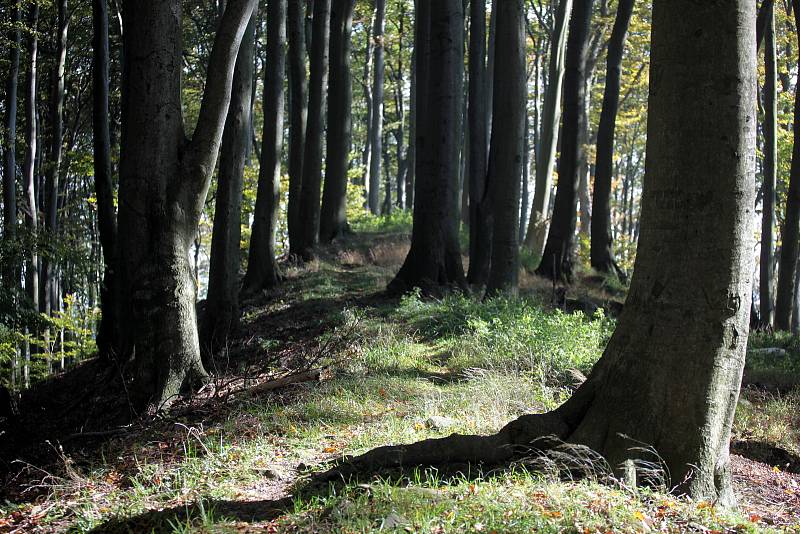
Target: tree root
point(530, 432)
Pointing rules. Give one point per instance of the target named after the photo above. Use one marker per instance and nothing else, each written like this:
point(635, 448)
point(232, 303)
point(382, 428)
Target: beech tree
point(551, 120)
point(376, 114)
point(298, 114)
point(333, 215)
point(480, 230)
point(787, 287)
point(602, 254)
point(557, 259)
point(506, 158)
point(262, 270)
point(9, 268)
point(31, 146)
point(312, 155)
point(434, 260)
point(694, 260)
point(766, 270)
point(107, 335)
point(164, 178)
point(222, 303)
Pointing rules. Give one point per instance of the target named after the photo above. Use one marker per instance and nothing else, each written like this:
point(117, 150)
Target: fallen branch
point(278, 383)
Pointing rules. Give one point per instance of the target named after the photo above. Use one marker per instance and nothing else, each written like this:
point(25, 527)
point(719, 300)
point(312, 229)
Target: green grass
point(477, 364)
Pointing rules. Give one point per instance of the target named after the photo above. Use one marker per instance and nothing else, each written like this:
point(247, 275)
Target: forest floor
point(357, 369)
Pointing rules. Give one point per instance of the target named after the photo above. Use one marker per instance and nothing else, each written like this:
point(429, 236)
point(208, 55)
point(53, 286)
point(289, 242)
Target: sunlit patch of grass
point(769, 417)
point(516, 501)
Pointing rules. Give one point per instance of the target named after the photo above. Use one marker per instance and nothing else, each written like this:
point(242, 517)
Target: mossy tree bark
point(434, 260)
point(164, 179)
point(664, 381)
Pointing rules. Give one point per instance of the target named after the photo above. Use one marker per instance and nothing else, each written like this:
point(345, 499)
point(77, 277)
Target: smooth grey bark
point(107, 334)
point(221, 314)
point(376, 126)
point(791, 226)
point(480, 212)
point(548, 139)
point(333, 215)
point(434, 263)
point(29, 166)
point(766, 267)
point(262, 269)
point(602, 243)
point(526, 175)
point(298, 113)
point(507, 145)
point(53, 166)
point(164, 179)
point(557, 259)
point(695, 260)
point(10, 269)
point(312, 158)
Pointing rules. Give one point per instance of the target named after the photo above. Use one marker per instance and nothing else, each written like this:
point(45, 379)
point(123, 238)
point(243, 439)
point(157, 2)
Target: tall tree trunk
point(411, 158)
point(376, 127)
point(298, 113)
point(262, 270)
point(107, 335)
point(526, 175)
point(480, 213)
point(10, 269)
point(507, 145)
point(312, 159)
point(602, 251)
point(557, 260)
point(698, 193)
point(791, 226)
point(434, 260)
point(164, 179)
point(29, 167)
point(548, 139)
point(333, 218)
point(53, 167)
point(221, 313)
point(766, 269)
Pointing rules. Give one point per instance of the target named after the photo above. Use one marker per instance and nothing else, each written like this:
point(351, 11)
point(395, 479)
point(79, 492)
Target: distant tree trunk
point(766, 269)
point(548, 143)
point(399, 102)
point(222, 303)
point(508, 133)
point(791, 226)
point(53, 166)
point(411, 158)
point(107, 335)
point(10, 269)
point(526, 175)
point(602, 251)
point(557, 260)
point(480, 213)
point(298, 113)
point(376, 127)
point(333, 221)
point(698, 192)
point(164, 179)
point(29, 168)
point(262, 270)
point(434, 260)
point(312, 159)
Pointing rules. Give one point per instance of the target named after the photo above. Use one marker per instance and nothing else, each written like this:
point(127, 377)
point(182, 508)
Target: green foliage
point(512, 334)
point(398, 221)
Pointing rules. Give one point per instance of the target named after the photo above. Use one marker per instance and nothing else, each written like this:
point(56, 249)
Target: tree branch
point(204, 147)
